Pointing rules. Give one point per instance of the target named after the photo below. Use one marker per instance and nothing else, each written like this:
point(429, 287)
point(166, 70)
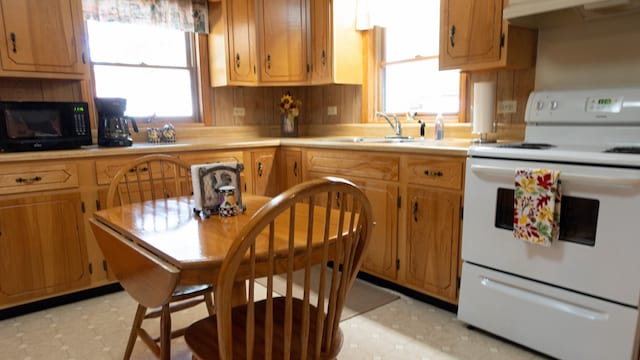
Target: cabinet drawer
point(107, 169)
point(212, 157)
point(435, 171)
point(367, 165)
point(37, 177)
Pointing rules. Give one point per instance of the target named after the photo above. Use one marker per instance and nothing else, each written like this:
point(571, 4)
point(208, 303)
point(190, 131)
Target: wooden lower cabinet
point(290, 172)
point(42, 247)
point(381, 256)
point(380, 259)
point(263, 172)
point(433, 236)
point(417, 203)
point(377, 175)
point(46, 250)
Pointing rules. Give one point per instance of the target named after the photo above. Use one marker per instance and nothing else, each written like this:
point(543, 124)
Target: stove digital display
point(604, 104)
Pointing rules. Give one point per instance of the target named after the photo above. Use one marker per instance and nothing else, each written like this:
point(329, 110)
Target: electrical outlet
point(507, 107)
point(332, 110)
point(238, 111)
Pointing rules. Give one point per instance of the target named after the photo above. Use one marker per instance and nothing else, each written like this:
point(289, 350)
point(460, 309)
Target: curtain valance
point(185, 15)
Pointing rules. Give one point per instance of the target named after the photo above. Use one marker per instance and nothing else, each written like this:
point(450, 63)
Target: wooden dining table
point(154, 246)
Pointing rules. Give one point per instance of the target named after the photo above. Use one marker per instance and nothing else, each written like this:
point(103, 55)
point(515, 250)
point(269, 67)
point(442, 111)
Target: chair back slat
point(150, 177)
point(325, 226)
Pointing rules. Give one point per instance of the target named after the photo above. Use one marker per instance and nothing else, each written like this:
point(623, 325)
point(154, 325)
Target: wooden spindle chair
point(320, 236)
point(154, 177)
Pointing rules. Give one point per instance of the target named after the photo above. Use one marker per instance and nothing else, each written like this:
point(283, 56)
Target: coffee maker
point(113, 125)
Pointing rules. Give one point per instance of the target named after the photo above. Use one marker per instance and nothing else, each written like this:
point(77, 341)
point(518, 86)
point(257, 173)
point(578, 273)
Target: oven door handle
point(565, 177)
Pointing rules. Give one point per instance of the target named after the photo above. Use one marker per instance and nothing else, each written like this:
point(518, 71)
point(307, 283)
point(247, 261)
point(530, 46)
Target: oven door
point(597, 253)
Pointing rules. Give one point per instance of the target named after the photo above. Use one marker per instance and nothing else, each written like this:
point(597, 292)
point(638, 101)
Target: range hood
point(522, 11)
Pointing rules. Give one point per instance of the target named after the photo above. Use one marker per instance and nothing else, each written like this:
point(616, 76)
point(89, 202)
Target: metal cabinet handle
point(31, 180)
point(237, 60)
point(139, 169)
point(260, 167)
point(324, 57)
point(13, 42)
point(433, 173)
point(415, 211)
point(268, 61)
point(295, 168)
point(452, 36)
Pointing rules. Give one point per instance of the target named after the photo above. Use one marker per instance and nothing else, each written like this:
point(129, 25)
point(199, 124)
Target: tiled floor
point(98, 329)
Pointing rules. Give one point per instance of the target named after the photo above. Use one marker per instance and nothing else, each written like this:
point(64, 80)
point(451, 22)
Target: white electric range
point(578, 298)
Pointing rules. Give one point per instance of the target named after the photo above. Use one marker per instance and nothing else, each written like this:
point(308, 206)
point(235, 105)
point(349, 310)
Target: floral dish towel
point(537, 198)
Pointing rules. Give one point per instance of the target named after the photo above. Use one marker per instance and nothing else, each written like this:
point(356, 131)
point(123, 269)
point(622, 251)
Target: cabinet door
point(290, 169)
point(380, 258)
point(242, 40)
point(283, 34)
point(433, 225)
point(42, 36)
point(263, 174)
point(336, 46)
point(42, 249)
point(470, 32)
point(321, 49)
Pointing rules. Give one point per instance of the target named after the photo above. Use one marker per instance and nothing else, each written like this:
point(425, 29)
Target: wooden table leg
point(165, 333)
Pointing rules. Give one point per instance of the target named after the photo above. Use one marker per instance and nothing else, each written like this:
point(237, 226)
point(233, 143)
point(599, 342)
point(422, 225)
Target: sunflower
point(288, 104)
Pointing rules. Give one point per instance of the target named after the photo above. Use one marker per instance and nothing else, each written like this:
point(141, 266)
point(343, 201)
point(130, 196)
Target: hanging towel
point(537, 198)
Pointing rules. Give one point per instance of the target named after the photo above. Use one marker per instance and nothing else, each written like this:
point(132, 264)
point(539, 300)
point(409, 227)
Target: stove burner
point(624, 150)
point(534, 146)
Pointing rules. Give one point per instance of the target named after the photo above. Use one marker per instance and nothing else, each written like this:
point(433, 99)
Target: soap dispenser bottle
point(439, 127)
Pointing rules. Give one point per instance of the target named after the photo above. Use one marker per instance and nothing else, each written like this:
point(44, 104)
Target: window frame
point(196, 51)
point(378, 36)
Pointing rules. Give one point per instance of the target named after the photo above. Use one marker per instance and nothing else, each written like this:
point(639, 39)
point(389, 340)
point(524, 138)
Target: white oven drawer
point(607, 267)
point(551, 320)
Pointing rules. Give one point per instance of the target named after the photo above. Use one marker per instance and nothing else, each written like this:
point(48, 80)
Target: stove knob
point(554, 105)
point(539, 105)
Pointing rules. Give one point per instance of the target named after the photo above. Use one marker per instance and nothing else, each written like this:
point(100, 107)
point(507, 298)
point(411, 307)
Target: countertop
point(456, 147)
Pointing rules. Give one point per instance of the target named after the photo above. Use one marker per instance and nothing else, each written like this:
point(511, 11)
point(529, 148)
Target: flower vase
point(288, 125)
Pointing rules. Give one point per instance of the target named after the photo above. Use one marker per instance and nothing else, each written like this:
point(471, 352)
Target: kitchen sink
point(387, 139)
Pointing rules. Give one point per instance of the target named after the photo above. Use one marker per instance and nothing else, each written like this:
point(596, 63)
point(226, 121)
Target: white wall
point(584, 54)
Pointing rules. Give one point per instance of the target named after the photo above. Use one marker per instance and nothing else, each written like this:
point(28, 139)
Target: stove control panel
point(597, 106)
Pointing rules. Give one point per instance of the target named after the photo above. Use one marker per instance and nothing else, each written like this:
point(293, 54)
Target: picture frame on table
point(209, 179)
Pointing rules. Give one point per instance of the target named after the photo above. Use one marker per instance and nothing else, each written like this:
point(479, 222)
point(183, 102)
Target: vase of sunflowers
point(289, 112)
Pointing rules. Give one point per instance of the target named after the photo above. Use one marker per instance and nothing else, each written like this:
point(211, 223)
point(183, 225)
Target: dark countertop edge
point(456, 147)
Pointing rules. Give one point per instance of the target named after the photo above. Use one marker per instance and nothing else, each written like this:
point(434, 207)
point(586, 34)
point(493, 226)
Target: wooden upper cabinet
point(283, 39)
point(233, 43)
point(42, 39)
point(321, 47)
point(284, 42)
point(336, 46)
point(473, 36)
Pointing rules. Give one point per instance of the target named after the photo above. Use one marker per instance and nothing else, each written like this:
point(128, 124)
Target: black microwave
point(27, 125)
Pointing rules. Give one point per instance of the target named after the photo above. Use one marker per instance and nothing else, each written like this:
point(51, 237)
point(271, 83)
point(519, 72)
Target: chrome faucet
point(396, 127)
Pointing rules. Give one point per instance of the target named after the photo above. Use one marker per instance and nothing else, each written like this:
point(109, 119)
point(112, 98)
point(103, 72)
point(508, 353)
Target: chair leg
point(133, 336)
point(208, 299)
point(165, 333)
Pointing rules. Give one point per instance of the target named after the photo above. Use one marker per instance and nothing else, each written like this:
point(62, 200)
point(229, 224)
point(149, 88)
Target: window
point(152, 67)
point(409, 77)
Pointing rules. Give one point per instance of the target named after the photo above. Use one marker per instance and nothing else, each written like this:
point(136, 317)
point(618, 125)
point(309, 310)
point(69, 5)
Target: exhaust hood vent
point(525, 12)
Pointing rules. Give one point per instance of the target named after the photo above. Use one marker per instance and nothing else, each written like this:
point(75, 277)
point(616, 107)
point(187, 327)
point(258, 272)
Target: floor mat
point(362, 296)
